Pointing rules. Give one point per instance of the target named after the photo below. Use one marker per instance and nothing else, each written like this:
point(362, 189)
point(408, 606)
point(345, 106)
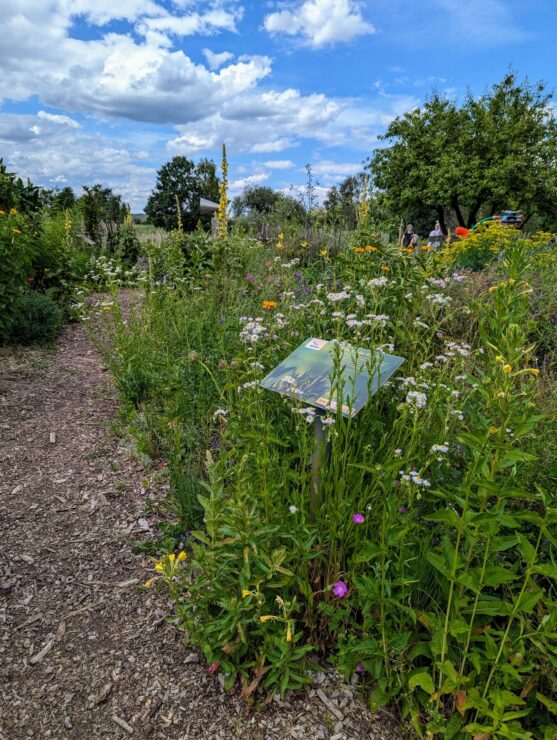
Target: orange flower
point(268, 305)
point(369, 248)
point(359, 250)
point(427, 248)
point(385, 268)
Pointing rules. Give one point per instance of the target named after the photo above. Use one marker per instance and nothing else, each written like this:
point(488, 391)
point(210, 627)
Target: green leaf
point(547, 569)
point(551, 704)
point(422, 679)
point(438, 563)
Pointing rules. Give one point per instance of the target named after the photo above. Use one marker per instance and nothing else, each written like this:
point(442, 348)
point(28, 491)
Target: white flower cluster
point(437, 299)
point(248, 385)
point(416, 399)
point(220, 412)
point(335, 297)
point(377, 282)
point(413, 477)
point(418, 322)
point(455, 348)
point(378, 318)
point(253, 329)
point(308, 413)
point(444, 448)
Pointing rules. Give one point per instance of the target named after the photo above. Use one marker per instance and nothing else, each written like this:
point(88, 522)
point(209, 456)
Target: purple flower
point(358, 518)
point(360, 667)
point(402, 509)
point(250, 278)
point(340, 589)
point(298, 275)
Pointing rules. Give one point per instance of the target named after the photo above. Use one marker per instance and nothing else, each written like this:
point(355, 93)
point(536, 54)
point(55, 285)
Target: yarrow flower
point(292, 509)
point(340, 589)
point(416, 399)
point(220, 412)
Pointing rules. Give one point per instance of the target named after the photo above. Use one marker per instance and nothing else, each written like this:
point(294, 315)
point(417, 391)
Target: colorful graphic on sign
point(309, 374)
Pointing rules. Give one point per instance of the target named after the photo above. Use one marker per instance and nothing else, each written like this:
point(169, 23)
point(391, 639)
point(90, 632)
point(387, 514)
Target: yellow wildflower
point(493, 430)
point(13, 211)
point(534, 371)
point(288, 634)
point(159, 567)
point(324, 252)
point(303, 245)
point(171, 557)
point(501, 394)
point(359, 250)
point(182, 555)
point(245, 593)
point(507, 369)
point(427, 248)
point(266, 618)
point(2, 213)
point(493, 289)
point(268, 305)
point(385, 268)
point(150, 583)
point(17, 232)
point(369, 248)
point(499, 359)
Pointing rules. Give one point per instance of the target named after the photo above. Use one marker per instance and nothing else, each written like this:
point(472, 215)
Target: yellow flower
point(493, 430)
point(501, 394)
point(369, 248)
point(266, 618)
point(268, 305)
point(288, 634)
point(512, 281)
point(13, 211)
point(359, 250)
point(182, 555)
point(150, 583)
point(171, 557)
point(159, 567)
point(493, 289)
point(17, 232)
point(385, 268)
point(304, 245)
point(427, 248)
point(499, 359)
point(323, 252)
point(507, 369)
point(245, 593)
point(534, 371)
point(2, 213)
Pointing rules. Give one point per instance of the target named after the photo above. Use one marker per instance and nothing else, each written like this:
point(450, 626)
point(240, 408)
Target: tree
point(63, 199)
point(98, 206)
point(258, 200)
point(494, 152)
point(182, 180)
point(343, 201)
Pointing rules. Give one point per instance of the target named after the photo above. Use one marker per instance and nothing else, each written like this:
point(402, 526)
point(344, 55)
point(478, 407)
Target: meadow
point(424, 566)
point(427, 568)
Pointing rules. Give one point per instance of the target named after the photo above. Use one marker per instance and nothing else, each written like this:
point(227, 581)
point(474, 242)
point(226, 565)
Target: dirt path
point(83, 652)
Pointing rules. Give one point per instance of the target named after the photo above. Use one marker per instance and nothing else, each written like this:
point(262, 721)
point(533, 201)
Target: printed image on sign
point(307, 374)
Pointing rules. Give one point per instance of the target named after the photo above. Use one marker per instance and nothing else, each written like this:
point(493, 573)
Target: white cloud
point(49, 154)
point(320, 22)
point(481, 22)
point(55, 118)
point(336, 169)
point(279, 164)
point(236, 186)
point(217, 60)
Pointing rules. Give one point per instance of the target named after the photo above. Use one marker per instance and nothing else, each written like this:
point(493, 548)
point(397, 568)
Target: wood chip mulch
point(84, 652)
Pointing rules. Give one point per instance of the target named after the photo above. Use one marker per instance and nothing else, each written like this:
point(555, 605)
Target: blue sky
point(108, 90)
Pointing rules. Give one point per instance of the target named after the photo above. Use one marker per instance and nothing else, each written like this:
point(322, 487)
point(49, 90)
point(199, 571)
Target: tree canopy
point(343, 200)
point(183, 179)
point(495, 152)
point(259, 200)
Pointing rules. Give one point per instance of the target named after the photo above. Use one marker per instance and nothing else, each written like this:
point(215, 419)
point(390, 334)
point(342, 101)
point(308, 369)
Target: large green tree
point(343, 200)
point(494, 152)
point(186, 181)
point(259, 200)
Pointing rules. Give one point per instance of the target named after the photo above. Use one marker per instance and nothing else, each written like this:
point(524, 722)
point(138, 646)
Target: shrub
point(16, 256)
point(37, 319)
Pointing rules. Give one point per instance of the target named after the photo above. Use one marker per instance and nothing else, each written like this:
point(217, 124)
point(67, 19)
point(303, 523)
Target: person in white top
point(436, 237)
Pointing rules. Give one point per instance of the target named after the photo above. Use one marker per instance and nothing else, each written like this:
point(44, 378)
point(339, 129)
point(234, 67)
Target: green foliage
point(16, 257)
point(259, 202)
point(495, 152)
point(182, 179)
point(450, 606)
point(99, 207)
point(37, 319)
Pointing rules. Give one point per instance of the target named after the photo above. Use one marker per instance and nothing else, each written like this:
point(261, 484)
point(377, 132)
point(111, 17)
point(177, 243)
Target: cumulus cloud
point(236, 186)
point(279, 164)
point(320, 22)
point(56, 118)
point(217, 60)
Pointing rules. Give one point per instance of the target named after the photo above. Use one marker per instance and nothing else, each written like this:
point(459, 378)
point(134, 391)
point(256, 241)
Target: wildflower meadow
point(422, 563)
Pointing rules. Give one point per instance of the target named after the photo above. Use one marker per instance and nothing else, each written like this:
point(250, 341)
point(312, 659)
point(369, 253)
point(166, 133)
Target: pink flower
point(402, 509)
point(360, 667)
point(358, 518)
point(340, 589)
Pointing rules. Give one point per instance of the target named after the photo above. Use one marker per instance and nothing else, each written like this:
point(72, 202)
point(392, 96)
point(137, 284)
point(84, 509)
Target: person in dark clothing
point(409, 238)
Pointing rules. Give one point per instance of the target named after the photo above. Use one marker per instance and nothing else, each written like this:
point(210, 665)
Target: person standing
point(436, 237)
point(409, 238)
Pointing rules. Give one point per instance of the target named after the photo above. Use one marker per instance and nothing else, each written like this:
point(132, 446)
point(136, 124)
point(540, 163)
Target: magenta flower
point(358, 518)
point(340, 589)
point(402, 509)
point(360, 667)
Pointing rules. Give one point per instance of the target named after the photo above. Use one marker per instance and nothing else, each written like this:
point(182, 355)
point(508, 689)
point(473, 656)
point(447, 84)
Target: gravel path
point(83, 652)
